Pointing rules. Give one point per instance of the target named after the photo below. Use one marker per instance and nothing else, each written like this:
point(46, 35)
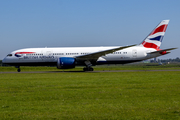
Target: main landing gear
point(18, 68)
point(88, 66)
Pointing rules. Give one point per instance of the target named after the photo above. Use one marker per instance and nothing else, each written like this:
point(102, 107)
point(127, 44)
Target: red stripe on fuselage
point(161, 28)
point(24, 52)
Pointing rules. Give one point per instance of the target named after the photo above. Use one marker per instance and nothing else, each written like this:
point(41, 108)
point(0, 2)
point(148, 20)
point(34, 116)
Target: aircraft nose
point(4, 60)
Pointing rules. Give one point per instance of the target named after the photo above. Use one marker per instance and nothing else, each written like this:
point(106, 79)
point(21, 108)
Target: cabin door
point(134, 53)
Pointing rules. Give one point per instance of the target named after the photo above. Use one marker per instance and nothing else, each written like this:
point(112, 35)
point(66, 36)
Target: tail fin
point(154, 39)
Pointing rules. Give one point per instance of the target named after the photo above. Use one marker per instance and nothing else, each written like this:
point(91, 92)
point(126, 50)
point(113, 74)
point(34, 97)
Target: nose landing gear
point(18, 70)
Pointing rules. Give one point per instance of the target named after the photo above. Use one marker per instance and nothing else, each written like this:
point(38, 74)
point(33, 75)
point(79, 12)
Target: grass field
point(91, 95)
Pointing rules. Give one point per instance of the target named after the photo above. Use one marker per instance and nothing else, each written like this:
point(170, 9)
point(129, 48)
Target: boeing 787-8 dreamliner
point(69, 57)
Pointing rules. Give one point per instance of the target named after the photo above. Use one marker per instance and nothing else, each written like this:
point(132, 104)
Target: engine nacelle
point(65, 63)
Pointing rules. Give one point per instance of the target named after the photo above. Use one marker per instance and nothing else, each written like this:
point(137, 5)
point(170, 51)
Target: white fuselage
point(49, 56)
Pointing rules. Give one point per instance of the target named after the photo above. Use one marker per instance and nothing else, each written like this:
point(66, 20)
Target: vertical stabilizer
point(154, 39)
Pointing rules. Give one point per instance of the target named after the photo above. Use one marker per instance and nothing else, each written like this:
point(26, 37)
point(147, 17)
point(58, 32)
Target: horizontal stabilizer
point(162, 51)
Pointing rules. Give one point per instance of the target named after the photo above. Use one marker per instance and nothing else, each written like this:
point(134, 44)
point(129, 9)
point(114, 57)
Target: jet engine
point(66, 63)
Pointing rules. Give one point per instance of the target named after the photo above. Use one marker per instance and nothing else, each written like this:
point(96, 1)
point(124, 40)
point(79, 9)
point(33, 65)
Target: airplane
point(70, 57)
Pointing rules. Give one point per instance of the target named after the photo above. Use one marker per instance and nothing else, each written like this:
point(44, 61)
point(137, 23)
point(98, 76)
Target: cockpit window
point(9, 55)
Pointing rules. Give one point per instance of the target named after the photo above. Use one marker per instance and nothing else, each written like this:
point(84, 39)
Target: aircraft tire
point(84, 69)
point(91, 69)
point(88, 69)
point(19, 70)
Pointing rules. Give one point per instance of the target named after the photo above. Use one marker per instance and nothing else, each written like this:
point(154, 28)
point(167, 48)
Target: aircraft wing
point(96, 55)
point(161, 51)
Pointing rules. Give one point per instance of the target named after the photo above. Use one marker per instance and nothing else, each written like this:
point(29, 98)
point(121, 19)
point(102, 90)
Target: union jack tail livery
point(154, 39)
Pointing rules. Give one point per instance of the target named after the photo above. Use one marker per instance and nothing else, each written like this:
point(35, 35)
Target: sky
point(77, 23)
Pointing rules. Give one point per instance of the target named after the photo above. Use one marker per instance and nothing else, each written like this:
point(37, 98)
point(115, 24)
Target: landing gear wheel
point(84, 69)
point(19, 70)
point(88, 69)
point(91, 69)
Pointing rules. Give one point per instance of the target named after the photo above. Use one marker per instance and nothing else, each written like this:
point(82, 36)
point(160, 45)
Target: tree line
point(166, 60)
